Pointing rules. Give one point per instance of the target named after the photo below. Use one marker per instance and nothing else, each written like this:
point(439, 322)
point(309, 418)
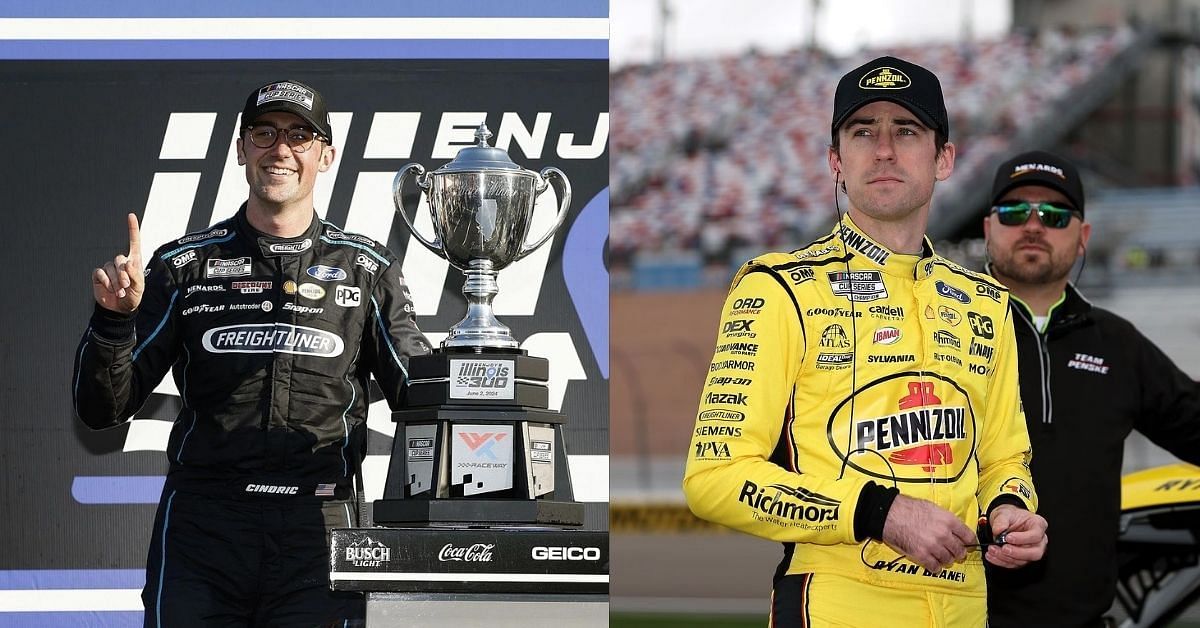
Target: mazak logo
point(834, 337)
point(368, 553)
point(884, 78)
point(950, 292)
point(981, 325)
point(273, 338)
point(347, 296)
point(179, 261)
point(320, 272)
point(477, 553)
point(736, 399)
point(793, 504)
point(910, 433)
point(481, 443)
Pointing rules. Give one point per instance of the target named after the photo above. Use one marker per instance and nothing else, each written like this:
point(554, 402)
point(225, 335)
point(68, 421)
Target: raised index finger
point(135, 237)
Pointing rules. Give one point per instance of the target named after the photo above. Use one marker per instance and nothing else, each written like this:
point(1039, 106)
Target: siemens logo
point(273, 338)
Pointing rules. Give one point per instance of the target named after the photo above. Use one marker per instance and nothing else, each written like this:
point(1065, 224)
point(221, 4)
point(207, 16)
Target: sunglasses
point(1052, 215)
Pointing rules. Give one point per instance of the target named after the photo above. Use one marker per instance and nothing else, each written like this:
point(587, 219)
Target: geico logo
point(565, 553)
point(749, 303)
point(737, 326)
point(737, 399)
point(274, 490)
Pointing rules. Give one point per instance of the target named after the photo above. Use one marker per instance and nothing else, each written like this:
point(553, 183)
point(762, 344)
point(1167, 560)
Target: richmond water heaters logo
point(929, 438)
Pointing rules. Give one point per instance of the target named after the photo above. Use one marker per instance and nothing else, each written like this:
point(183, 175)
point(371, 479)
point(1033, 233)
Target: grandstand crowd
point(727, 155)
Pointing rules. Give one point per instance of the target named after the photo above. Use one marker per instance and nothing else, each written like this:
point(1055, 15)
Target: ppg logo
point(347, 296)
point(981, 325)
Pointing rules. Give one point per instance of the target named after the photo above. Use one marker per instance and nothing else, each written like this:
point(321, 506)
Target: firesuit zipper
point(1043, 362)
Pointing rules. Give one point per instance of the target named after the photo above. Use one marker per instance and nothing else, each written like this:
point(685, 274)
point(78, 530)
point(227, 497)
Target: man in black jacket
point(1088, 378)
point(272, 322)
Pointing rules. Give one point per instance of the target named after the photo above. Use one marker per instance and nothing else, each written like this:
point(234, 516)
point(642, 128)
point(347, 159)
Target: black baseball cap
point(1038, 167)
point(896, 80)
point(292, 97)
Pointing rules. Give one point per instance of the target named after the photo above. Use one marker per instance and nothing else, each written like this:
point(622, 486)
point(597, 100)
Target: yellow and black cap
point(896, 80)
point(1038, 167)
point(292, 97)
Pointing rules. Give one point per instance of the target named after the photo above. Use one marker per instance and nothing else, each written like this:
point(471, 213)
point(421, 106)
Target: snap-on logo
point(273, 338)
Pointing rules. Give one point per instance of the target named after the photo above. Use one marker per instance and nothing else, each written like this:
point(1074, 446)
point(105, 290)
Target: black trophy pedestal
point(477, 445)
point(497, 577)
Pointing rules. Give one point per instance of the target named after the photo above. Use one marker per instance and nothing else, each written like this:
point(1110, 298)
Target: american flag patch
point(325, 490)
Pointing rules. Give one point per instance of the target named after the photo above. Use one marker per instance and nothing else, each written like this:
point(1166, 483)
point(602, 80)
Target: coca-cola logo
point(477, 553)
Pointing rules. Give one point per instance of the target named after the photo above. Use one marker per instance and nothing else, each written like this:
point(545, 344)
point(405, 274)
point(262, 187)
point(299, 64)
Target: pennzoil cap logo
point(884, 78)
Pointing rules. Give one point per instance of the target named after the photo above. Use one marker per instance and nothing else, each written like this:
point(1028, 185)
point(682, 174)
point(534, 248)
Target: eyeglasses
point(298, 139)
point(1052, 215)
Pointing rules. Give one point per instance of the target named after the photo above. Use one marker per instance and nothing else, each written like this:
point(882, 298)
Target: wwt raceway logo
point(391, 136)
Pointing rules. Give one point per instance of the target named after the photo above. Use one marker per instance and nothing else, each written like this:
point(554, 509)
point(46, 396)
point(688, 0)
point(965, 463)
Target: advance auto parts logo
point(921, 424)
point(273, 338)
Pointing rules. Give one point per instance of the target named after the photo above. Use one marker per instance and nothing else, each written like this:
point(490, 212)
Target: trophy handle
point(422, 181)
point(548, 175)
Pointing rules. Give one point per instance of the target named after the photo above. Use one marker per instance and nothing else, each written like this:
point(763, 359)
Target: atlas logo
point(834, 337)
point(950, 292)
point(273, 338)
point(790, 503)
point(481, 443)
point(981, 325)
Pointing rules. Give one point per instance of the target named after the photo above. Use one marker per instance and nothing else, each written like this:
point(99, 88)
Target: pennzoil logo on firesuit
point(792, 506)
point(909, 434)
point(860, 243)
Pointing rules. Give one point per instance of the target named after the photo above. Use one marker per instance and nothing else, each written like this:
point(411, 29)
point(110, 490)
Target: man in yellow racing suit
point(862, 404)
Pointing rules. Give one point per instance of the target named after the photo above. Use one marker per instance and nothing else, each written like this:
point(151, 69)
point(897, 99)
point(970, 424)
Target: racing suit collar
point(271, 246)
point(874, 254)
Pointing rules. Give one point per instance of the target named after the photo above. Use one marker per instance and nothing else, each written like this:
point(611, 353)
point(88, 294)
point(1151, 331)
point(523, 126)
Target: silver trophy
point(482, 205)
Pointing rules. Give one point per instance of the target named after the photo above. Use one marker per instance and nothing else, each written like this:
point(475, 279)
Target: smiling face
point(889, 163)
point(1033, 254)
point(281, 178)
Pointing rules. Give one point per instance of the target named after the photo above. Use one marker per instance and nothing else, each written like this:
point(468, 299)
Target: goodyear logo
point(884, 78)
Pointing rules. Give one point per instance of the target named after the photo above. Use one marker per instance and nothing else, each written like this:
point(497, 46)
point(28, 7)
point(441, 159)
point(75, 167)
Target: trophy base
point(478, 376)
point(476, 512)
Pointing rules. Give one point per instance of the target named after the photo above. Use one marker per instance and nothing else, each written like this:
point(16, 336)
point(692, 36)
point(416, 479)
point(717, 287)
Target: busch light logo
point(477, 553)
point(368, 553)
point(481, 379)
point(273, 338)
point(321, 272)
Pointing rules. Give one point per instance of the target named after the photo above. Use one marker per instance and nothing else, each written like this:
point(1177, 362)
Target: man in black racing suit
point(272, 323)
